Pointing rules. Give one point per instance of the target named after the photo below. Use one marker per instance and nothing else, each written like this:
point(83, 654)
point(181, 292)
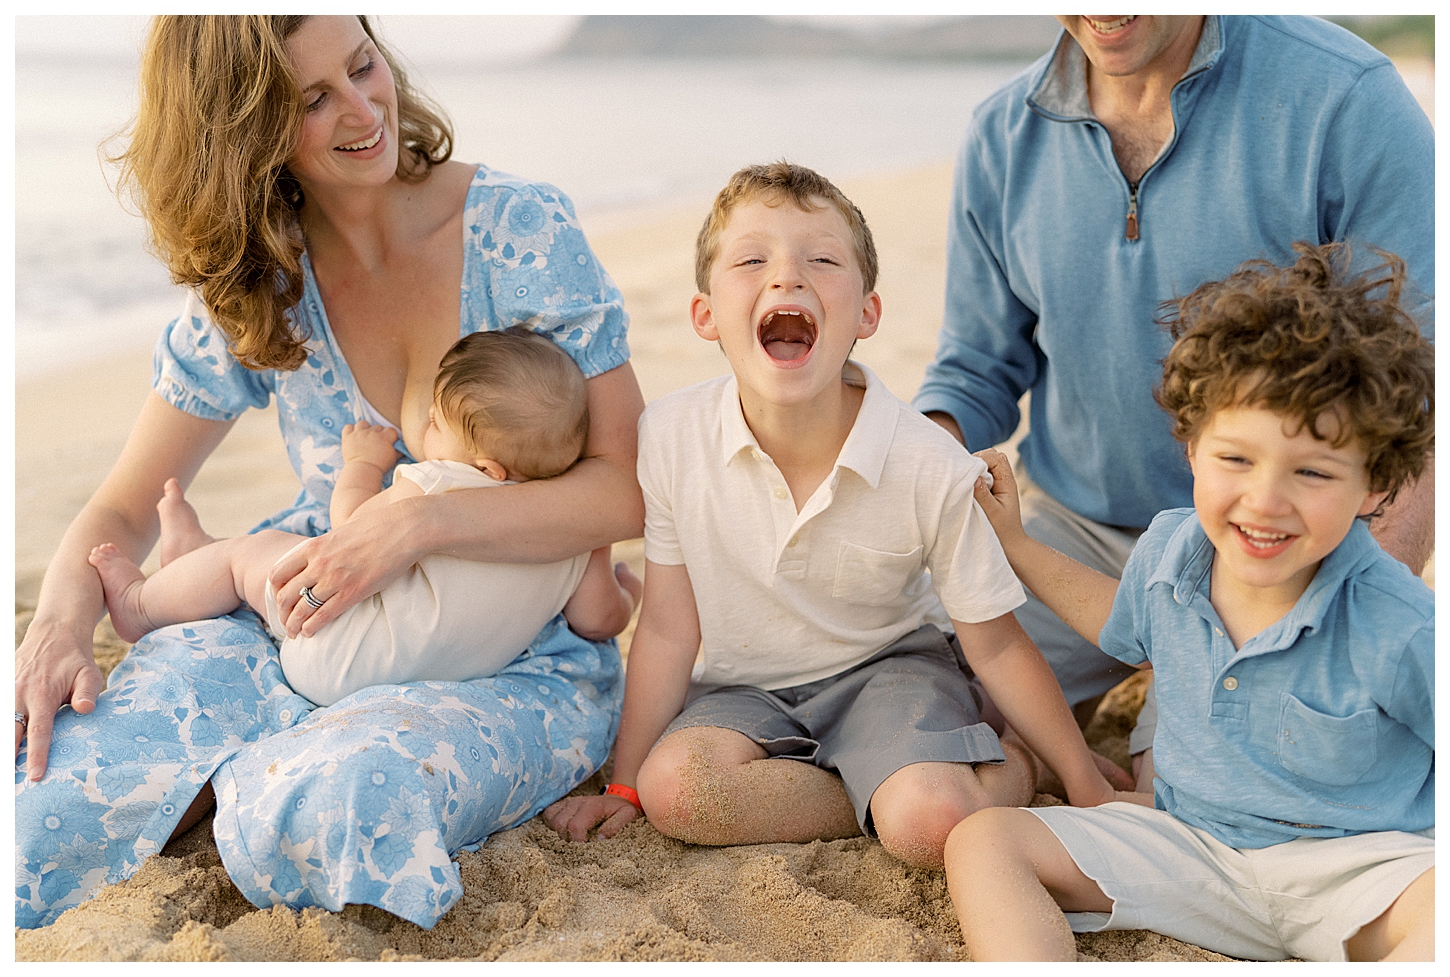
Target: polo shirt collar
point(1188, 558)
point(1061, 90)
point(866, 446)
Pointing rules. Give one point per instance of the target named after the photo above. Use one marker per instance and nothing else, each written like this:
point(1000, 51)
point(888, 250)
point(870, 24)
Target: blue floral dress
point(365, 800)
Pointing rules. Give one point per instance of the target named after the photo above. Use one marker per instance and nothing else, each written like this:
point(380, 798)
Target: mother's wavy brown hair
point(206, 164)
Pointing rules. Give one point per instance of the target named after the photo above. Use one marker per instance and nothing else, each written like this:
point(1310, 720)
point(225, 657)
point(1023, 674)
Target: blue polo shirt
point(1322, 725)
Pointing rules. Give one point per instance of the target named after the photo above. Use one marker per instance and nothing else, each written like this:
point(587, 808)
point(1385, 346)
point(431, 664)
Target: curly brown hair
point(206, 164)
point(1304, 340)
point(777, 182)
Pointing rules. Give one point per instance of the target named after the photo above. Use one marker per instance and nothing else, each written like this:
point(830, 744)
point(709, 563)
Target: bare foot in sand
point(121, 579)
point(181, 530)
point(632, 585)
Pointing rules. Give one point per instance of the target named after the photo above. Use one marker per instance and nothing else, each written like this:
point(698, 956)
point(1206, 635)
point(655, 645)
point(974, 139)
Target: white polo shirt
point(787, 598)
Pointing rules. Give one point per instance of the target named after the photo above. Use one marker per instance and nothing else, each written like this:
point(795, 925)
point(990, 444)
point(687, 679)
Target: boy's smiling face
point(786, 301)
point(1273, 500)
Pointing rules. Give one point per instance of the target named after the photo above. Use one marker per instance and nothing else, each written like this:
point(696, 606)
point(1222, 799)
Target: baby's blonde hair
point(517, 398)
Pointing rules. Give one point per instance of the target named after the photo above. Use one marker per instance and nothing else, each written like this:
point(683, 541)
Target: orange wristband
point(628, 793)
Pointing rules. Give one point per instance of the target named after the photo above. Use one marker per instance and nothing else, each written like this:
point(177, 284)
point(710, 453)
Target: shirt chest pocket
point(873, 577)
point(1336, 750)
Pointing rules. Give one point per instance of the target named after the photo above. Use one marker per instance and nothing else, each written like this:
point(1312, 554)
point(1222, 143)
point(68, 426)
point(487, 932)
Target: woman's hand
point(574, 817)
point(53, 665)
point(348, 564)
point(56, 662)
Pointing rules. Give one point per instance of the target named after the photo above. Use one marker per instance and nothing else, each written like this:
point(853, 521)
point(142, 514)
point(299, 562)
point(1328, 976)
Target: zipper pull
point(1132, 212)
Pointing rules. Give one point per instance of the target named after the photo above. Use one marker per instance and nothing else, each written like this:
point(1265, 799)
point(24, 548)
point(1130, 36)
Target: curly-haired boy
point(1293, 809)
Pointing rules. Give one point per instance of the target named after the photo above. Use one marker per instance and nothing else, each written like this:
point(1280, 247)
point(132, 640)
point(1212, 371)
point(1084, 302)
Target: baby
point(508, 406)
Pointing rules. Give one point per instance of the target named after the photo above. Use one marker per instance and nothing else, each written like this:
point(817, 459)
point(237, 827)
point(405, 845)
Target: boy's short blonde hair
point(516, 397)
point(776, 183)
point(1304, 340)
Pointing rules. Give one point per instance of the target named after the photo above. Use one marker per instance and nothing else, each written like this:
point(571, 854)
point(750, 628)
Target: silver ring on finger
point(311, 598)
point(22, 720)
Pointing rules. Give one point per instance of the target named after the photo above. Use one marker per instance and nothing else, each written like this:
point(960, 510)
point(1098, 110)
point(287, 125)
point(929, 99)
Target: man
point(1139, 158)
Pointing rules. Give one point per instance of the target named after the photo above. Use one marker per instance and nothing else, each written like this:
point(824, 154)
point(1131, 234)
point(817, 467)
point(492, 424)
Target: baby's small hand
point(372, 443)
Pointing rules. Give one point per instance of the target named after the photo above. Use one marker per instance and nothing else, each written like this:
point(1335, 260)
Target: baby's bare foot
point(632, 585)
point(121, 580)
point(181, 530)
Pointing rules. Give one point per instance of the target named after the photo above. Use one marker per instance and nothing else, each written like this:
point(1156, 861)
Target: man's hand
point(574, 817)
point(371, 443)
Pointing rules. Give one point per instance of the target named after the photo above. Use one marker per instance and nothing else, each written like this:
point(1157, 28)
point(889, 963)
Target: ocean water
point(616, 135)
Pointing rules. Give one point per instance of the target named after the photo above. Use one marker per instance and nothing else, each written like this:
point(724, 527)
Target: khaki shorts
point(911, 702)
point(1303, 898)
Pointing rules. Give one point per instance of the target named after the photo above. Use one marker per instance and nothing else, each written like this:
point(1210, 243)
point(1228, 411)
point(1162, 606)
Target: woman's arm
point(56, 663)
point(594, 503)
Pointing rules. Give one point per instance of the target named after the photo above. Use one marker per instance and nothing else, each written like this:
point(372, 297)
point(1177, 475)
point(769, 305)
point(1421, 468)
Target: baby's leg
point(201, 584)
point(1010, 879)
point(713, 786)
point(916, 808)
point(602, 604)
point(181, 530)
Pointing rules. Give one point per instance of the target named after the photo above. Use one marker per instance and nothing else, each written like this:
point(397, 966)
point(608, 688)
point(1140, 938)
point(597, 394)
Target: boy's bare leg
point(204, 583)
point(181, 530)
point(1405, 931)
point(916, 808)
point(713, 786)
point(1010, 880)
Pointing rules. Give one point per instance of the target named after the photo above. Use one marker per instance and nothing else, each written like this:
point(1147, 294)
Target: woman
point(304, 192)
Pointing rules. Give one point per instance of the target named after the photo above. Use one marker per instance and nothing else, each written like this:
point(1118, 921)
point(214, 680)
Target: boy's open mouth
point(787, 334)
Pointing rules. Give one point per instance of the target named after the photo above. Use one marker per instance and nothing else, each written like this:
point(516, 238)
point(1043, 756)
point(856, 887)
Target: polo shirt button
point(1218, 632)
point(780, 492)
point(1230, 683)
point(793, 541)
point(755, 453)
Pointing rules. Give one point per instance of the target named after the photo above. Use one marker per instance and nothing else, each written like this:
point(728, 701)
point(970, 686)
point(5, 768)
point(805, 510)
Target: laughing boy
point(1294, 806)
point(816, 542)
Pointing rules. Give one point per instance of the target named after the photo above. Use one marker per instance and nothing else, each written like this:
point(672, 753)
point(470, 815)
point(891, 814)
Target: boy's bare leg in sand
point(714, 786)
point(1010, 880)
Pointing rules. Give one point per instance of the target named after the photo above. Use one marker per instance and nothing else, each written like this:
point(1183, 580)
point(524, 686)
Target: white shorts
point(1303, 898)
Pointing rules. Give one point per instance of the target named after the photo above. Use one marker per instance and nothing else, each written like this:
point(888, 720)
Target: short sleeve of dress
point(529, 264)
point(192, 369)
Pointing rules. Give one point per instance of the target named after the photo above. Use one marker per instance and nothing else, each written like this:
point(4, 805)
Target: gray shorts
point(1303, 898)
point(914, 701)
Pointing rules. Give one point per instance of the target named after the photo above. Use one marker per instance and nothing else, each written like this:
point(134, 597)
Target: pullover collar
point(1060, 92)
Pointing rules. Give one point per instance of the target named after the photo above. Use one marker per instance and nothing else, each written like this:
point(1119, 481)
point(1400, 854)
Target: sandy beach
point(529, 895)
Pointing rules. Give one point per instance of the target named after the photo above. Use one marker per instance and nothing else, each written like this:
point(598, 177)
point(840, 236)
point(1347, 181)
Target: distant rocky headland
point(967, 38)
point(916, 38)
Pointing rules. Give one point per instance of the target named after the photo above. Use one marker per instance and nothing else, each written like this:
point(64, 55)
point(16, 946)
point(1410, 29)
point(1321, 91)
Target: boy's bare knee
point(684, 785)
point(917, 808)
point(989, 827)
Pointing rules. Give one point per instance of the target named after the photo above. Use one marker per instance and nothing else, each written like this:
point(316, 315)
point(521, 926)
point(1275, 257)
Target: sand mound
point(529, 895)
